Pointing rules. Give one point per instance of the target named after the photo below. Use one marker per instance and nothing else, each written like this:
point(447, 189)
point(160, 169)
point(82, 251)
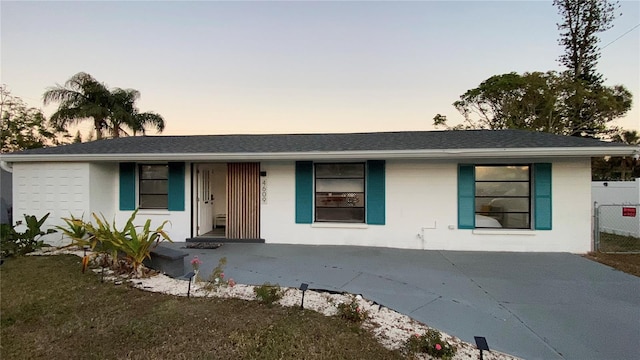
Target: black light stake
point(189, 276)
point(303, 287)
point(481, 343)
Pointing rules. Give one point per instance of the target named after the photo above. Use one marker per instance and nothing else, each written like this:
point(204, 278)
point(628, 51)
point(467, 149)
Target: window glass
point(339, 171)
point(488, 173)
point(340, 199)
point(339, 192)
point(506, 188)
point(503, 193)
point(154, 186)
point(340, 185)
point(154, 171)
point(153, 201)
point(340, 214)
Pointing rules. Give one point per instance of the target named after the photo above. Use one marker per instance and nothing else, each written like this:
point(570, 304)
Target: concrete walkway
point(535, 306)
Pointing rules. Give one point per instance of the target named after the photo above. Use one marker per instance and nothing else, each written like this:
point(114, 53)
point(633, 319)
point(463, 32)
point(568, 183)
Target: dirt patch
point(629, 263)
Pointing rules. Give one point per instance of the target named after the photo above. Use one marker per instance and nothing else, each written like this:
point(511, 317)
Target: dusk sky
point(296, 67)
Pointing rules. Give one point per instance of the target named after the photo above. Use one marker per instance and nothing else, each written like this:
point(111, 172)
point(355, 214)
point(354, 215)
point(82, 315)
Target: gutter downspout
point(8, 167)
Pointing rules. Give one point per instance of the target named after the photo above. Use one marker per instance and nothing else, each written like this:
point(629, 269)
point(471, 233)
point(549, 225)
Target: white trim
point(555, 152)
point(151, 212)
point(339, 225)
point(503, 232)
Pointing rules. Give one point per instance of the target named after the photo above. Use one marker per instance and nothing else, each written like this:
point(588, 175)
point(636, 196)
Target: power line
point(618, 38)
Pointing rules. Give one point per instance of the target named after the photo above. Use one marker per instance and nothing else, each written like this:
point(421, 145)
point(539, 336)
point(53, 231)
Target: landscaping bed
point(49, 309)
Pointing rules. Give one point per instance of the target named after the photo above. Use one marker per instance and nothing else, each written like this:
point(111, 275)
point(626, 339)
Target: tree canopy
point(23, 127)
point(82, 97)
point(573, 102)
point(582, 20)
point(547, 102)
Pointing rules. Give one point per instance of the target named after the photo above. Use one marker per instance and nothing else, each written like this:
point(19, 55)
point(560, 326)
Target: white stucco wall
point(421, 212)
point(103, 190)
point(60, 189)
point(421, 207)
point(81, 189)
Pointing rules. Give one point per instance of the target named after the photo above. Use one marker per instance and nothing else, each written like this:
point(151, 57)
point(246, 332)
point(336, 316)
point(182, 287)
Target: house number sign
point(263, 190)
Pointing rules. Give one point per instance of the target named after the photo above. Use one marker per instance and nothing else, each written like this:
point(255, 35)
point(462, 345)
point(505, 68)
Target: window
point(339, 192)
point(154, 186)
point(503, 196)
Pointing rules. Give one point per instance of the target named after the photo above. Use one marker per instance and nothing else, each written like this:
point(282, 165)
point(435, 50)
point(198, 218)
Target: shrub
point(352, 311)
point(16, 243)
point(268, 294)
point(106, 238)
point(137, 245)
point(430, 343)
point(75, 229)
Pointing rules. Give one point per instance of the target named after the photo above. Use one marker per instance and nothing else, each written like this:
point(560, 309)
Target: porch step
point(166, 260)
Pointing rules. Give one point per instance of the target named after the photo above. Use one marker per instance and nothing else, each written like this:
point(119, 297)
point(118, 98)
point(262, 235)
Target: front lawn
point(49, 309)
point(612, 243)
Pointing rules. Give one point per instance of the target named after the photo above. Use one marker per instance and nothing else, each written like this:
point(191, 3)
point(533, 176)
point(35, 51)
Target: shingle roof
point(292, 143)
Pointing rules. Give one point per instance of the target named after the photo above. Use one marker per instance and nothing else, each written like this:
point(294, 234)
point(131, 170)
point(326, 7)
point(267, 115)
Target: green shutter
point(176, 186)
point(466, 197)
point(375, 207)
point(304, 192)
point(542, 193)
point(127, 186)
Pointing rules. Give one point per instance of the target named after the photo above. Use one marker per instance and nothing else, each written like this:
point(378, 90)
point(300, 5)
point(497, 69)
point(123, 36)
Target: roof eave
point(335, 155)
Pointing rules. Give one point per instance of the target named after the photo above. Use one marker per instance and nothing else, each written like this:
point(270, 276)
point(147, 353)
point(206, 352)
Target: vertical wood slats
point(243, 201)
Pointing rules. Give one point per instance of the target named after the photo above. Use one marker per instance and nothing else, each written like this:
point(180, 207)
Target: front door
point(205, 199)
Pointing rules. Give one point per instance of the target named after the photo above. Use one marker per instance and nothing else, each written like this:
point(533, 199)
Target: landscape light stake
point(303, 287)
point(481, 343)
point(189, 276)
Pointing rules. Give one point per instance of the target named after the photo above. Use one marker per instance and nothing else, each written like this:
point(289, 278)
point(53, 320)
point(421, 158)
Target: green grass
point(50, 310)
point(618, 243)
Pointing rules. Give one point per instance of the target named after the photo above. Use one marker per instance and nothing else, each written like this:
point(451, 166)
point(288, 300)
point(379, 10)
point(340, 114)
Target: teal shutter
point(304, 192)
point(466, 197)
point(542, 193)
point(127, 186)
point(176, 187)
point(375, 207)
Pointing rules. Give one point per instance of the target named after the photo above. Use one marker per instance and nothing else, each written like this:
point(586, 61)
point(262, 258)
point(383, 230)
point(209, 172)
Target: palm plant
point(125, 113)
point(81, 98)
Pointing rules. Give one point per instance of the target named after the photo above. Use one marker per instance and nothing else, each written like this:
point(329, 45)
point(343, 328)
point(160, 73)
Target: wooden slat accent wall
point(243, 201)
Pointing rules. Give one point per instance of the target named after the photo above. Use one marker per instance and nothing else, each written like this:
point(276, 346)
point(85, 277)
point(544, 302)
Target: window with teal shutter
point(466, 197)
point(542, 193)
point(127, 186)
point(375, 192)
point(304, 192)
point(176, 186)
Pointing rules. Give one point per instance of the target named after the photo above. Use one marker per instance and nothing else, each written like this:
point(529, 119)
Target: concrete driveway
point(532, 305)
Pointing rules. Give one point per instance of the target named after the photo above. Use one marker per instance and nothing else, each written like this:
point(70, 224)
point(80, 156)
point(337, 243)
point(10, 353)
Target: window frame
point(530, 196)
point(139, 186)
point(363, 199)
